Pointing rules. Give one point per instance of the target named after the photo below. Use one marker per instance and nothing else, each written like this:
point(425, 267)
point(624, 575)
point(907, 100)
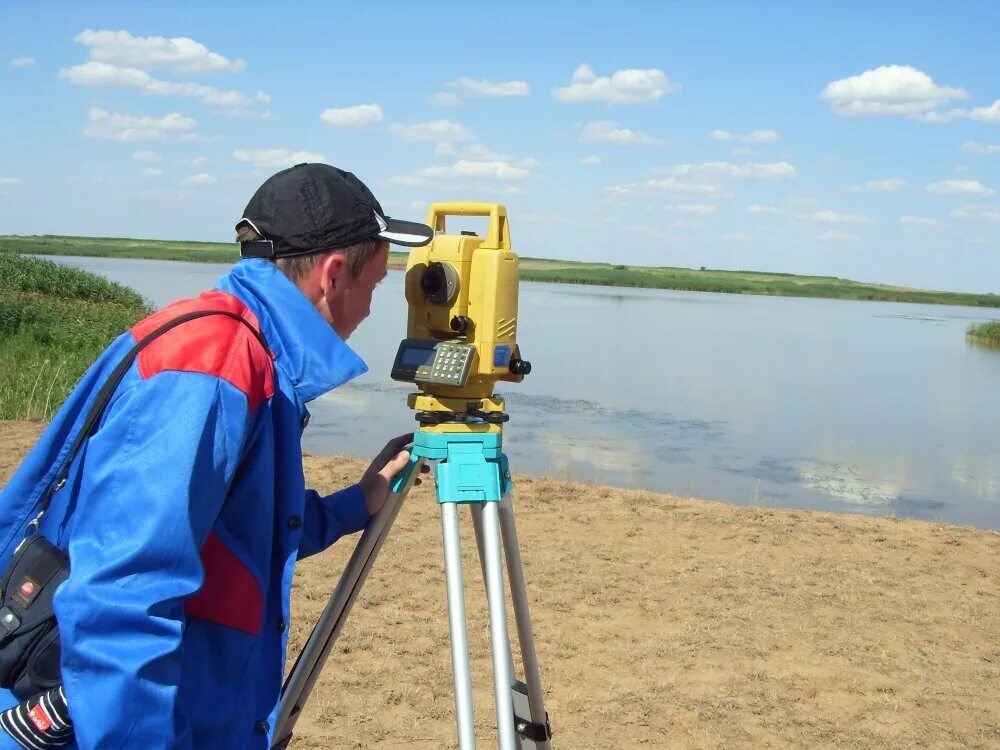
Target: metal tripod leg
point(457, 626)
point(310, 662)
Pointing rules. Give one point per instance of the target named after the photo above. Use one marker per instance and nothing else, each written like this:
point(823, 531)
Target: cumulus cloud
point(703, 209)
point(918, 221)
point(114, 126)
point(147, 156)
point(197, 180)
point(960, 187)
point(981, 148)
point(179, 55)
point(466, 86)
point(437, 131)
point(629, 86)
point(22, 62)
point(835, 235)
point(590, 161)
point(756, 136)
point(979, 213)
point(756, 208)
point(445, 99)
point(892, 185)
point(666, 185)
point(357, 116)
point(987, 114)
point(9, 181)
point(471, 171)
point(275, 158)
point(781, 170)
point(890, 90)
point(608, 132)
point(152, 171)
point(833, 217)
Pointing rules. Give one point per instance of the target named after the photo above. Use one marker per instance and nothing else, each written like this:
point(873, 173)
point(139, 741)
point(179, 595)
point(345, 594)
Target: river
point(873, 407)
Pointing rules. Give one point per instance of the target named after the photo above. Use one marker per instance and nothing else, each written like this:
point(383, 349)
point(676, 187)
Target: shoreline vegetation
point(987, 334)
point(537, 269)
point(54, 321)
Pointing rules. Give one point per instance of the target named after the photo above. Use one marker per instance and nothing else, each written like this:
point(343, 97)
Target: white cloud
point(838, 236)
point(987, 114)
point(704, 209)
point(179, 55)
point(147, 156)
point(438, 131)
point(471, 87)
point(960, 187)
point(623, 87)
point(980, 213)
point(465, 170)
point(609, 132)
point(918, 221)
point(198, 179)
point(262, 96)
point(892, 185)
point(720, 169)
point(275, 158)
point(981, 148)
point(352, 117)
point(756, 208)
point(152, 171)
point(9, 181)
point(199, 160)
point(899, 90)
point(22, 62)
point(832, 217)
point(113, 126)
point(590, 161)
point(941, 116)
point(103, 75)
point(666, 185)
point(445, 99)
point(756, 136)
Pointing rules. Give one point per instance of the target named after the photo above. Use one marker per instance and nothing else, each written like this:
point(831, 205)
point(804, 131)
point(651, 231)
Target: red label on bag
point(40, 719)
point(27, 589)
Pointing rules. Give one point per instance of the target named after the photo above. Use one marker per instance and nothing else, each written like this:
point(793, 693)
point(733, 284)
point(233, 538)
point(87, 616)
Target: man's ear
point(333, 272)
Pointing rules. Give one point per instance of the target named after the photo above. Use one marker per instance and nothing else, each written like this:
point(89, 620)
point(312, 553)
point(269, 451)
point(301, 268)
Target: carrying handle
point(103, 398)
point(498, 234)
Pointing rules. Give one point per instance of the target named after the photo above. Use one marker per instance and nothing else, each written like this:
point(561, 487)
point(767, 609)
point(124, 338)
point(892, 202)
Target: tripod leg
point(310, 661)
point(457, 626)
point(519, 597)
point(503, 677)
point(477, 525)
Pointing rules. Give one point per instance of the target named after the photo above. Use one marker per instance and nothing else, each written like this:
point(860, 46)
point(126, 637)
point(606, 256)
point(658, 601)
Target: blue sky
point(851, 139)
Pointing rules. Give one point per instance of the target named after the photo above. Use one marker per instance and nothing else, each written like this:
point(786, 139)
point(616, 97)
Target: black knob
point(460, 324)
point(519, 366)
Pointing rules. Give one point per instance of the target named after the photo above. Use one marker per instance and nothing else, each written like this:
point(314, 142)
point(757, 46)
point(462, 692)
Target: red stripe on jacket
point(230, 595)
point(213, 345)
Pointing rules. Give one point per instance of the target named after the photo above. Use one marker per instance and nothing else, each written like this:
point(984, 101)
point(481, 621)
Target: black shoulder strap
point(107, 391)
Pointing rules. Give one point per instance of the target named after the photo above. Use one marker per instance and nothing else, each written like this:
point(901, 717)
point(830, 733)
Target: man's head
point(324, 229)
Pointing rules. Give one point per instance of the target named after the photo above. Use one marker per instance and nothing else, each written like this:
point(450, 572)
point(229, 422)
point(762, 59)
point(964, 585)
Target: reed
point(985, 333)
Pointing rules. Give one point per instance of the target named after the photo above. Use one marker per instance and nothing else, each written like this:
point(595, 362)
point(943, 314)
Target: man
point(185, 512)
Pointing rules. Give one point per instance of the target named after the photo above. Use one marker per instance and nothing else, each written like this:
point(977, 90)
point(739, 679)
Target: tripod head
point(461, 291)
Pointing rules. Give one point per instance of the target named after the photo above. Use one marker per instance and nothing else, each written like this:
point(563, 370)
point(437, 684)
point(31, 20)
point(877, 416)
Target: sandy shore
point(669, 622)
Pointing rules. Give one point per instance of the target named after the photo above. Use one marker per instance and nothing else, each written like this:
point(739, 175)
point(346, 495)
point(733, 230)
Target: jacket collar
point(305, 347)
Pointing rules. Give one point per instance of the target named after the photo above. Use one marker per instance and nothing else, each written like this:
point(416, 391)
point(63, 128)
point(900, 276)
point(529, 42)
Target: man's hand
point(387, 464)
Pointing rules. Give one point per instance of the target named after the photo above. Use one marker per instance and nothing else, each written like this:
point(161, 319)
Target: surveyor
point(185, 511)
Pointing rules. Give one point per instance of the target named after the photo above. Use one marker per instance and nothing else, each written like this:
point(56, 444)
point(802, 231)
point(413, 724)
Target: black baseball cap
point(312, 207)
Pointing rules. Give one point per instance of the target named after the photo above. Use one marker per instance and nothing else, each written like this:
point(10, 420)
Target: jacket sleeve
point(153, 482)
point(331, 517)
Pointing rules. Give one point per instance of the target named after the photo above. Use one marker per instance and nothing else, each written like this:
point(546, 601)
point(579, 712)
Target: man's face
point(351, 297)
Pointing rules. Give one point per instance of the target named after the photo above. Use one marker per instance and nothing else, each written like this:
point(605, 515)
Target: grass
point(539, 269)
point(986, 333)
point(54, 321)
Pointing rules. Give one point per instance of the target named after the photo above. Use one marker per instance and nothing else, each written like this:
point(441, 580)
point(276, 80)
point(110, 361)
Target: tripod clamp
point(473, 410)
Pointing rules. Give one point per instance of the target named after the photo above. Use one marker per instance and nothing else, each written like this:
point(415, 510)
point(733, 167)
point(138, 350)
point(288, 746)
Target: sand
point(668, 622)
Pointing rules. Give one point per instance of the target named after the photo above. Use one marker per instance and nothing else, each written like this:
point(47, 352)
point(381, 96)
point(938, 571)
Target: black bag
point(29, 634)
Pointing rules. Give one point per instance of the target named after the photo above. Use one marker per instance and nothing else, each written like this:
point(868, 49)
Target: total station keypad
point(451, 363)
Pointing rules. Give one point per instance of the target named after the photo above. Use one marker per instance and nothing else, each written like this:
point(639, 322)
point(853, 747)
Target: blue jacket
point(174, 618)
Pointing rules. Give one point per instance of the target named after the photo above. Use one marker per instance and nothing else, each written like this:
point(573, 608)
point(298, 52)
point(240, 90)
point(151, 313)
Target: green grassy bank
point(538, 269)
point(54, 321)
point(986, 333)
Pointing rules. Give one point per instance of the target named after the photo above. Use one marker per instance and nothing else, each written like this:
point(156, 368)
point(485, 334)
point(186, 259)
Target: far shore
point(663, 621)
point(539, 269)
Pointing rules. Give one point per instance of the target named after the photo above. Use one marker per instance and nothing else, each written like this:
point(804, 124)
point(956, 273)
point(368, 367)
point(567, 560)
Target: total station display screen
point(416, 357)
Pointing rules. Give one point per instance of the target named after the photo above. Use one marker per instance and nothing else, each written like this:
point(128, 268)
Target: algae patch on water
point(54, 321)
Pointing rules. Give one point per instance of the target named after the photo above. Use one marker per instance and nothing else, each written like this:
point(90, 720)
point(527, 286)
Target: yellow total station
point(461, 291)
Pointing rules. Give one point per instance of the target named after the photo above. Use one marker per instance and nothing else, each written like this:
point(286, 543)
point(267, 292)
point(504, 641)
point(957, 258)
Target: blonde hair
point(298, 266)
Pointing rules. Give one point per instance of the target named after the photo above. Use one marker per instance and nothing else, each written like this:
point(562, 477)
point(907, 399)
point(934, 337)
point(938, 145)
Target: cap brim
point(406, 233)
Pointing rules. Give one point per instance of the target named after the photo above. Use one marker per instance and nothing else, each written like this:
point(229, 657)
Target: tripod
point(471, 470)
